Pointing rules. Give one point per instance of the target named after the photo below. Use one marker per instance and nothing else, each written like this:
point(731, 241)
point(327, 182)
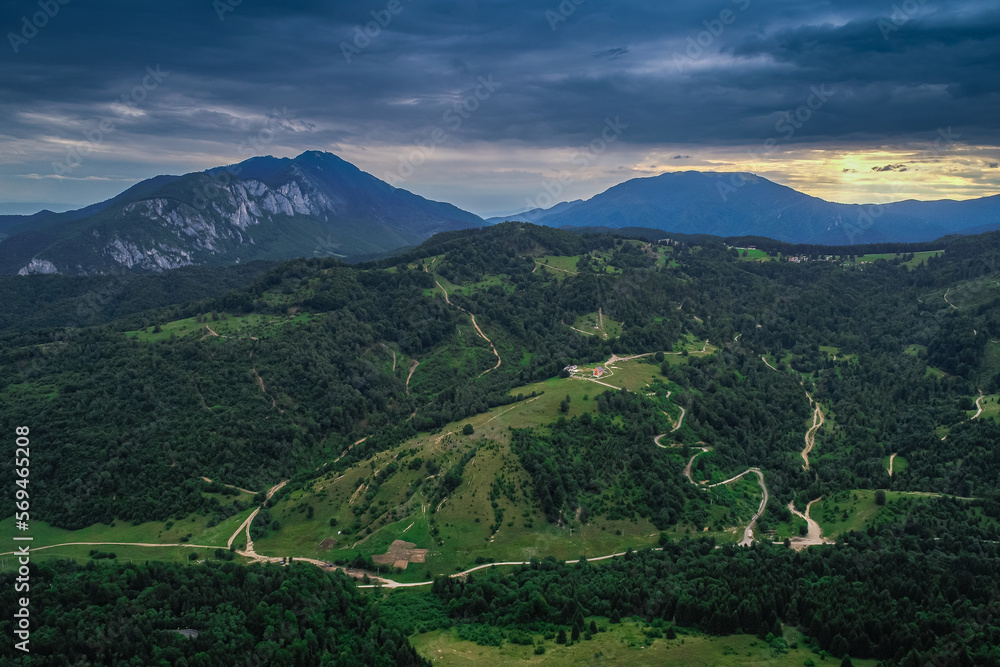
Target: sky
point(500, 106)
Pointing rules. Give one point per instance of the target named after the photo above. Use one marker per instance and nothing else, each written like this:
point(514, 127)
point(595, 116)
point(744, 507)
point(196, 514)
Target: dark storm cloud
point(387, 71)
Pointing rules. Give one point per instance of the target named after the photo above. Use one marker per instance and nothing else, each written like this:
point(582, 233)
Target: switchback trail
point(690, 463)
point(478, 330)
point(680, 421)
point(245, 526)
point(413, 368)
point(818, 421)
point(748, 531)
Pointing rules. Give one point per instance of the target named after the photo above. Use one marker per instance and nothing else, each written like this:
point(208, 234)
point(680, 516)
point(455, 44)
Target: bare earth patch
point(401, 554)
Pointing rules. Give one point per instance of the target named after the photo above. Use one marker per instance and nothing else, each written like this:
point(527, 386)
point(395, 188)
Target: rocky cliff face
point(323, 206)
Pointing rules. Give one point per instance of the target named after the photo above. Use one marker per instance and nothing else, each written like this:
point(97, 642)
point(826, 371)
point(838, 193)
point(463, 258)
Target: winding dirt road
point(474, 324)
point(748, 531)
point(979, 405)
point(690, 463)
point(389, 583)
point(891, 460)
point(187, 545)
point(492, 346)
point(245, 527)
point(688, 472)
point(818, 421)
point(680, 421)
point(815, 535)
point(413, 368)
point(764, 359)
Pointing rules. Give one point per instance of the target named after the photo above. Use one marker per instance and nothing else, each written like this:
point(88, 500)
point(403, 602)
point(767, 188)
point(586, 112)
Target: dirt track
point(815, 535)
point(680, 421)
point(690, 463)
point(413, 368)
point(232, 487)
point(764, 359)
point(478, 330)
point(818, 420)
point(748, 531)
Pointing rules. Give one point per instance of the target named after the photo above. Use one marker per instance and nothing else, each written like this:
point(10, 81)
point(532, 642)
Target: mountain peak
point(265, 207)
point(742, 203)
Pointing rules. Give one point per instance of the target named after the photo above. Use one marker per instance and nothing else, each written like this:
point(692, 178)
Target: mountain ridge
point(742, 204)
point(263, 208)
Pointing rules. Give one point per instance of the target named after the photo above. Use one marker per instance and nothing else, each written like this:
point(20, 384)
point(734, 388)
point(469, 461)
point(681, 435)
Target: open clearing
point(226, 326)
point(621, 644)
point(598, 324)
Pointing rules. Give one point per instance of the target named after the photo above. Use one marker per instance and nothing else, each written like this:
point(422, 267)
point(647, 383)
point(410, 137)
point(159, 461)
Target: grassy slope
point(258, 326)
point(407, 516)
point(194, 527)
point(621, 644)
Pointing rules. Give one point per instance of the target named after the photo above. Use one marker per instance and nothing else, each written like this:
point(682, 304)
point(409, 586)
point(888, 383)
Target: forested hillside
point(514, 393)
point(214, 614)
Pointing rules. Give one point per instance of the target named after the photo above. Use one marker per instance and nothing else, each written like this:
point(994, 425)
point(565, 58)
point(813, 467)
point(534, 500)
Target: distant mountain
point(264, 208)
point(534, 214)
point(744, 205)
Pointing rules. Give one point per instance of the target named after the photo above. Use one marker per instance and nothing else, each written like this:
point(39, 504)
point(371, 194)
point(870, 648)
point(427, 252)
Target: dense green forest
point(123, 614)
point(894, 594)
point(313, 371)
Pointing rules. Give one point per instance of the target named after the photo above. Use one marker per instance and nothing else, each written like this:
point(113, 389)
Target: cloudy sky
point(490, 104)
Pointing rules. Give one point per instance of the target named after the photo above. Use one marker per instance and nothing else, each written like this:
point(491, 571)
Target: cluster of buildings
point(596, 372)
